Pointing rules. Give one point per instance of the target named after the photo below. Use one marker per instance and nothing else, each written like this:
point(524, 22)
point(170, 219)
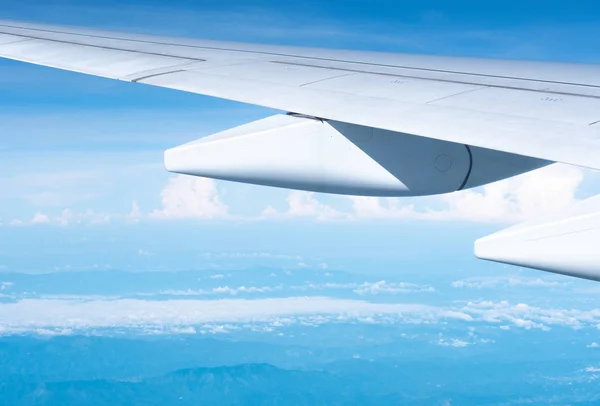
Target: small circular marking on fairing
point(442, 163)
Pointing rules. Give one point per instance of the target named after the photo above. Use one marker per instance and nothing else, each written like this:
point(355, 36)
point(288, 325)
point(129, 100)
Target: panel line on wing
point(324, 79)
point(422, 69)
point(585, 230)
point(463, 82)
point(16, 41)
point(456, 94)
point(31, 37)
point(156, 74)
point(150, 73)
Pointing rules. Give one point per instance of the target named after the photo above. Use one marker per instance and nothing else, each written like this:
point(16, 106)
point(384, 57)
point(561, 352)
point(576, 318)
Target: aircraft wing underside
point(359, 122)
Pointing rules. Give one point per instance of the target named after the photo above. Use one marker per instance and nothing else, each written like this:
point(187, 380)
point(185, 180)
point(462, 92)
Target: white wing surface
point(549, 111)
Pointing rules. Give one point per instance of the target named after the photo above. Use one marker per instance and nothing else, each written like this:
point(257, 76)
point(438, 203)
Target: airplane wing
point(362, 122)
point(544, 110)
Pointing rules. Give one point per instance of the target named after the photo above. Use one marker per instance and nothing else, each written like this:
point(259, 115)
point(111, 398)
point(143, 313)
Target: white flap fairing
point(305, 153)
point(567, 242)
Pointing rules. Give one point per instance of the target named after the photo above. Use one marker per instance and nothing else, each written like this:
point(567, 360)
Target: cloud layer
point(507, 281)
point(508, 201)
point(81, 313)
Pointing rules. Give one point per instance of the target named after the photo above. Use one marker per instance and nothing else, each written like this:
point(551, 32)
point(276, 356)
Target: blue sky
point(82, 184)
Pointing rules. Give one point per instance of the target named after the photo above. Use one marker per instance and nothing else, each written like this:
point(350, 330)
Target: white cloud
point(144, 253)
point(269, 211)
point(182, 197)
point(592, 369)
point(47, 313)
point(222, 290)
point(541, 191)
point(454, 342)
point(365, 207)
point(531, 317)
point(187, 197)
point(304, 204)
point(85, 312)
point(511, 200)
point(66, 217)
point(529, 324)
point(593, 345)
point(54, 332)
point(505, 281)
point(363, 289)
point(40, 218)
point(368, 288)
point(135, 215)
point(251, 255)
point(217, 276)
point(376, 288)
point(5, 285)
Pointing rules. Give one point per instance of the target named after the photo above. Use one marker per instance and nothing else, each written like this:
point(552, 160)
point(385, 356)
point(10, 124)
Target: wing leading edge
point(548, 111)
